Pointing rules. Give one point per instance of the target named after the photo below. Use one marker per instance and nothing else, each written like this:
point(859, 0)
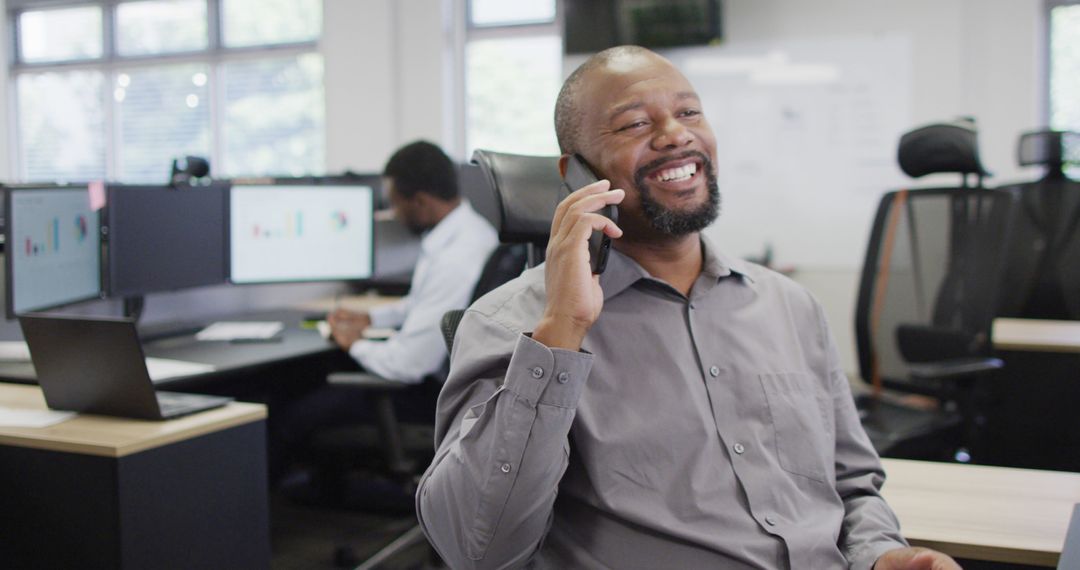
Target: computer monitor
point(160, 238)
point(283, 233)
point(53, 248)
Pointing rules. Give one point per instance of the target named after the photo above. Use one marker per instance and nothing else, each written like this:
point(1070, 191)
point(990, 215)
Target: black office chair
point(526, 191)
point(927, 296)
point(1035, 398)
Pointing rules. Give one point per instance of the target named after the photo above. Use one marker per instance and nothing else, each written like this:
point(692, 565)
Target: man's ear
point(563, 160)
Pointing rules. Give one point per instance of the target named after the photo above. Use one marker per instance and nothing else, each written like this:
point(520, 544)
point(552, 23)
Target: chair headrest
point(1049, 148)
point(527, 190)
point(938, 148)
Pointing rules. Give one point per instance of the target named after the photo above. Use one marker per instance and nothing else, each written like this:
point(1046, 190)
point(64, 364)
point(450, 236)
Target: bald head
point(568, 106)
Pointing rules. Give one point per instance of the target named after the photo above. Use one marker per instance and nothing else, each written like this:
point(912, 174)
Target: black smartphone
point(578, 175)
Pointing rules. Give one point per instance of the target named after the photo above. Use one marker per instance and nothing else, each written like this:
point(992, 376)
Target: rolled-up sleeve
point(502, 447)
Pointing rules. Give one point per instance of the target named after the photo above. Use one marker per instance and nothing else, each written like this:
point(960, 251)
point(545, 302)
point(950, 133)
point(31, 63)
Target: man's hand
point(574, 297)
point(915, 558)
point(347, 327)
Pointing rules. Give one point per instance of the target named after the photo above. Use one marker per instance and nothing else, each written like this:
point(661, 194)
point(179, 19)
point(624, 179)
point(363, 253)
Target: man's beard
point(673, 222)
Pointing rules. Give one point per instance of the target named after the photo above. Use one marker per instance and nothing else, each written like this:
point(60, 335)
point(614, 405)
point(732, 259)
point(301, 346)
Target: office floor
point(304, 537)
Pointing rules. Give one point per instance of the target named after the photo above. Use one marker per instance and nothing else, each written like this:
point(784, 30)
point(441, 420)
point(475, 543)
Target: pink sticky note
point(97, 195)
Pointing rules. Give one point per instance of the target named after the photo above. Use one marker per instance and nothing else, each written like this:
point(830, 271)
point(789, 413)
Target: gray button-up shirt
point(715, 431)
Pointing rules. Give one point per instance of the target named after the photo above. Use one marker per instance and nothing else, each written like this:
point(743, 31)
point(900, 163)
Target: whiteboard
point(806, 141)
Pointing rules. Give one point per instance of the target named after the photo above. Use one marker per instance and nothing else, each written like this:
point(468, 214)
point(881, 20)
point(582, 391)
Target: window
point(271, 107)
point(1065, 67)
point(513, 71)
point(170, 26)
point(117, 89)
point(1065, 71)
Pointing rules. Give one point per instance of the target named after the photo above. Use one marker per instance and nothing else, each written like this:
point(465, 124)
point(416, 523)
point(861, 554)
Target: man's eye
point(633, 125)
point(690, 113)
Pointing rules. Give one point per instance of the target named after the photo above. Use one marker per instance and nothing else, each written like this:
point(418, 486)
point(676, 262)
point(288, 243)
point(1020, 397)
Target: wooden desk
point(999, 514)
point(101, 492)
point(1036, 335)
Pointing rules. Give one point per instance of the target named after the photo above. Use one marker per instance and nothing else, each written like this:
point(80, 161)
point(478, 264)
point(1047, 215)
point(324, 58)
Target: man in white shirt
point(456, 242)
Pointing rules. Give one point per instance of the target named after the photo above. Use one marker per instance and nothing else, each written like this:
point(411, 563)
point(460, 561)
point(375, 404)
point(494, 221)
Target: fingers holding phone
point(574, 297)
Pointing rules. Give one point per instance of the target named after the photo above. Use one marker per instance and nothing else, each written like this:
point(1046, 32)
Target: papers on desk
point(18, 417)
point(164, 368)
point(14, 351)
point(240, 331)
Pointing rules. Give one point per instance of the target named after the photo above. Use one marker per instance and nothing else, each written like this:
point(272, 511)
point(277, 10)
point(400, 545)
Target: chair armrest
point(954, 368)
point(364, 380)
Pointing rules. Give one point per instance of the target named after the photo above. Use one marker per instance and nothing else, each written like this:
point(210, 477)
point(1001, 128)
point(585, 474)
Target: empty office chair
point(928, 292)
point(1033, 420)
point(526, 191)
point(1044, 261)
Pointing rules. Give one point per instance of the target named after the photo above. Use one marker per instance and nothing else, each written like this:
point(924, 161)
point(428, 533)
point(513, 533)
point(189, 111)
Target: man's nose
point(672, 134)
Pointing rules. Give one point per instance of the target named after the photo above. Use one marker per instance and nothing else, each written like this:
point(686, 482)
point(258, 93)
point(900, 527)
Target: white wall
point(384, 79)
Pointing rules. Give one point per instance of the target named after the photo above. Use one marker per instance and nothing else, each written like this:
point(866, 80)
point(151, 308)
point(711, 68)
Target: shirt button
point(715, 371)
point(739, 449)
point(505, 467)
point(770, 520)
point(563, 378)
point(693, 306)
point(538, 372)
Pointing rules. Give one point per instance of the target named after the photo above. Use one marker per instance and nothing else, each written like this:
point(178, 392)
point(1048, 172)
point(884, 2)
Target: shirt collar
point(437, 237)
point(622, 271)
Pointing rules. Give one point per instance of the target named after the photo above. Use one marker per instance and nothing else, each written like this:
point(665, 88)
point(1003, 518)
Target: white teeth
point(677, 174)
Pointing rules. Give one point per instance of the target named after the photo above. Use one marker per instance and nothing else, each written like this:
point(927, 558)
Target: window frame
point(110, 64)
point(468, 33)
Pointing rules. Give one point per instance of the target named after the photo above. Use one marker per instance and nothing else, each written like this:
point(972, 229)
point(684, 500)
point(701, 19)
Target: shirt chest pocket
point(803, 437)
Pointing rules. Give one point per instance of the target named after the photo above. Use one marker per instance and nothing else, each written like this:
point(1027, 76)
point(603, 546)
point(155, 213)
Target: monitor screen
point(53, 248)
point(300, 233)
point(162, 239)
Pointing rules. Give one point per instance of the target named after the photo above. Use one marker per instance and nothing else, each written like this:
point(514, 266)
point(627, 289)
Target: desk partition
point(162, 239)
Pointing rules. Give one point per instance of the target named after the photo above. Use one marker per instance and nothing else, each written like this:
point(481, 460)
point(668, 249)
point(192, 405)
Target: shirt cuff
point(542, 375)
point(383, 316)
point(359, 350)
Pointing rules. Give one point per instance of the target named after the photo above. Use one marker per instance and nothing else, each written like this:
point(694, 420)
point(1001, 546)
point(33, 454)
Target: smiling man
point(684, 409)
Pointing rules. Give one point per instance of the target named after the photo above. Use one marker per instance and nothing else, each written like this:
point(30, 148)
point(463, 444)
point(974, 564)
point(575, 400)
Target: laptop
point(96, 365)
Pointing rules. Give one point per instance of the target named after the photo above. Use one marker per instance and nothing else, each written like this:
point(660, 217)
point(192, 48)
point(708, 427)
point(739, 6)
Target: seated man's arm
point(504, 418)
point(506, 410)
point(418, 348)
point(390, 315)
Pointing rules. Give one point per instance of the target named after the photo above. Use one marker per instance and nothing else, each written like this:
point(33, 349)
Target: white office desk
point(1000, 514)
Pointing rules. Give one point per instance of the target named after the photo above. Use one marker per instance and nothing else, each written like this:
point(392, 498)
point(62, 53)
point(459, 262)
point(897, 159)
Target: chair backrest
point(931, 280)
point(448, 325)
point(1044, 258)
point(527, 190)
